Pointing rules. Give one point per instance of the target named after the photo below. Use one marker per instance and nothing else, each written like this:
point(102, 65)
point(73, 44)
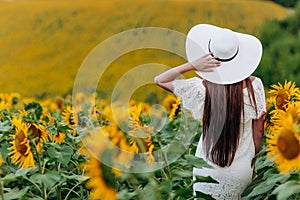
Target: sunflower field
point(49, 150)
point(76, 148)
point(277, 166)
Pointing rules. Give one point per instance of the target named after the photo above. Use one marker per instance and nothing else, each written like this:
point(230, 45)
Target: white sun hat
point(239, 53)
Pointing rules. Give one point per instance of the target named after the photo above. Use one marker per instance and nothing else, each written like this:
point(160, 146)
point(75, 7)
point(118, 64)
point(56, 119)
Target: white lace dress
point(233, 179)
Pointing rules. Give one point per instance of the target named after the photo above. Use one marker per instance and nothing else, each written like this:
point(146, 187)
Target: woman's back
point(233, 179)
point(225, 58)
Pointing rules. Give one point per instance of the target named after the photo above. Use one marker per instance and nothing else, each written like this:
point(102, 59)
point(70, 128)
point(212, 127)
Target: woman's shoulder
point(256, 81)
point(196, 82)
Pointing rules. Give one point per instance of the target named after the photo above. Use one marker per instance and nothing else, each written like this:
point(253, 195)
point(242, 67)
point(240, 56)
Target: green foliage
point(281, 57)
point(34, 110)
point(269, 184)
point(287, 3)
point(175, 180)
point(56, 174)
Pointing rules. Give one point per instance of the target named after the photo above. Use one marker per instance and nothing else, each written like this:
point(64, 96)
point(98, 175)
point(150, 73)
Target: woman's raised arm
point(205, 64)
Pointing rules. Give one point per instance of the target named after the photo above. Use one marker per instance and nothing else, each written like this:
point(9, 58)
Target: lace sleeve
point(260, 99)
point(192, 93)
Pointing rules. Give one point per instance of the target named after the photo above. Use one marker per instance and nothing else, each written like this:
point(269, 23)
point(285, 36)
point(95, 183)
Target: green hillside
point(43, 43)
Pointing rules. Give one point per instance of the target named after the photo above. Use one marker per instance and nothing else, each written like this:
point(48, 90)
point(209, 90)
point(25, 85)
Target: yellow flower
point(11, 98)
point(141, 142)
point(135, 114)
point(284, 94)
point(1, 162)
point(3, 105)
point(117, 138)
point(171, 104)
point(97, 183)
point(174, 110)
point(21, 150)
point(69, 119)
point(58, 138)
point(270, 103)
point(68, 116)
point(138, 114)
point(39, 133)
point(283, 144)
point(112, 138)
point(168, 102)
point(95, 144)
point(53, 105)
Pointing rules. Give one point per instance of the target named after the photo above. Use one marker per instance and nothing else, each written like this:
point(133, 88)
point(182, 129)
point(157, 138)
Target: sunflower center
point(281, 99)
point(35, 133)
point(288, 144)
point(19, 143)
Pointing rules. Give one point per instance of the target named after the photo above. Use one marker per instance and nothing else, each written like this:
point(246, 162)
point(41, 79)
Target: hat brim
point(241, 67)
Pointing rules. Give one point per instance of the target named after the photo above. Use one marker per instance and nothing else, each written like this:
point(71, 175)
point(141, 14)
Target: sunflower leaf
point(48, 179)
point(8, 178)
point(34, 110)
point(197, 162)
point(5, 126)
point(24, 171)
point(15, 193)
point(202, 196)
point(65, 155)
point(206, 179)
point(261, 189)
point(284, 191)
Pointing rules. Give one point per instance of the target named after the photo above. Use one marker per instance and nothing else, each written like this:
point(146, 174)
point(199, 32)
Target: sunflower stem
point(37, 155)
point(41, 171)
point(1, 190)
point(58, 188)
point(58, 193)
point(169, 176)
point(37, 187)
point(44, 192)
point(72, 190)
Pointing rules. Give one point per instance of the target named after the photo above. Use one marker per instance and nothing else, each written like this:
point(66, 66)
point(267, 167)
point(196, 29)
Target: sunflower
point(111, 138)
point(69, 119)
point(10, 99)
point(171, 103)
point(135, 114)
point(175, 109)
point(58, 138)
point(276, 116)
point(117, 138)
point(294, 110)
point(1, 163)
point(21, 150)
point(3, 105)
point(271, 112)
point(141, 142)
point(101, 176)
point(283, 144)
point(139, 114)
point(38, 133)
point(100, 189)
point(68, 116)
point(284, 94)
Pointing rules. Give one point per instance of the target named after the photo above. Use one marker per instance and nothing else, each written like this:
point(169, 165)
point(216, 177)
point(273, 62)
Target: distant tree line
point(287, 3)
point(281, 55)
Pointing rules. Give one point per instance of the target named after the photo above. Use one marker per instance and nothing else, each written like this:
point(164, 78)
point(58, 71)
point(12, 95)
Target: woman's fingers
point(213, 63)
point(206, 63)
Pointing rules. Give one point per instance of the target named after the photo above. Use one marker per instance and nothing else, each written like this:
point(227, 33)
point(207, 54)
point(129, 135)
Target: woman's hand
point(206, 63)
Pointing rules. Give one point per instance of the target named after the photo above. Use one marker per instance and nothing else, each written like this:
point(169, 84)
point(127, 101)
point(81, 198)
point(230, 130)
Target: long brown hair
point(222, 115)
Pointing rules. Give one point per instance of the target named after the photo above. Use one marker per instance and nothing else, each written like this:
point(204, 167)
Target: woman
point(229, 101)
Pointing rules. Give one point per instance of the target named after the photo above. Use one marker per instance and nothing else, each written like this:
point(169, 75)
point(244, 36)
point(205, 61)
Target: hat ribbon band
point(222, 59)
